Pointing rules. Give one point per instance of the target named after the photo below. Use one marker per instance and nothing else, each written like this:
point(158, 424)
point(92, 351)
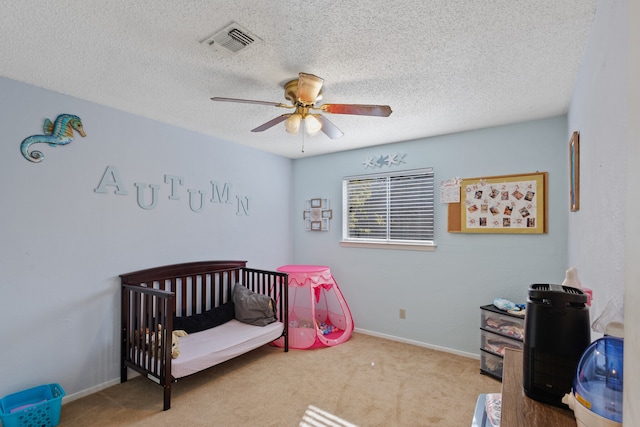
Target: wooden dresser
point(518, 410)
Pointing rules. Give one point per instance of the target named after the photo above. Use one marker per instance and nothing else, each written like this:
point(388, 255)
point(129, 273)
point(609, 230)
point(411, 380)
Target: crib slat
point(183, 296)
point(194, 293)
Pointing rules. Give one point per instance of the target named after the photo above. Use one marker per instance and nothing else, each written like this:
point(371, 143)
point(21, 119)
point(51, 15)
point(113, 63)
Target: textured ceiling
point(443, 66)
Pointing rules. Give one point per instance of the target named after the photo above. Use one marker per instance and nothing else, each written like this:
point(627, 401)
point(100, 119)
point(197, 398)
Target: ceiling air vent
point(232, 39)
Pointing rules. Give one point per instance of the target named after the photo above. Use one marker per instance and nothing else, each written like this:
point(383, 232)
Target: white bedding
point(202, 350)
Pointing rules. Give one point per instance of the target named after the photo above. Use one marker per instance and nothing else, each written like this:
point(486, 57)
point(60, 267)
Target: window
point(388, 208)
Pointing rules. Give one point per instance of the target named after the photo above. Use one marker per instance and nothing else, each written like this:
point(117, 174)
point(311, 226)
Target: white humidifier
point(596, 397)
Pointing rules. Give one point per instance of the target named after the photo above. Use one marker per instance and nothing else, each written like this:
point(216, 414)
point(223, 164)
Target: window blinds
point(394, 206)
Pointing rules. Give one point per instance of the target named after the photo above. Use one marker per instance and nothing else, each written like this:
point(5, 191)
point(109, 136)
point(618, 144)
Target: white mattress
point(202, 350)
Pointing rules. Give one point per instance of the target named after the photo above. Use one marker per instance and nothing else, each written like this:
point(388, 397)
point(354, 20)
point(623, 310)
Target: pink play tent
point(318, 313)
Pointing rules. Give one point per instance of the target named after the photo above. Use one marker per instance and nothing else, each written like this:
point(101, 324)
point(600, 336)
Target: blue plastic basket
point(36, 407)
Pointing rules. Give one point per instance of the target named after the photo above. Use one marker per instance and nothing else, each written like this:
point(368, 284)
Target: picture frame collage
point(317, 214)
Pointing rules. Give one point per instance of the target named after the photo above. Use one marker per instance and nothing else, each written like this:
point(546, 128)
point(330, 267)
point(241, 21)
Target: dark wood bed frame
point(152, 297)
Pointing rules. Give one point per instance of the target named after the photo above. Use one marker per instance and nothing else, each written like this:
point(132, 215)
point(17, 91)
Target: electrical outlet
point(403, 313)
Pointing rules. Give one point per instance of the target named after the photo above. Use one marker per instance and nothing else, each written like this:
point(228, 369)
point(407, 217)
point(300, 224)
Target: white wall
point(599, 112)
point(442, 290)
point(632, 227)
point(63, 245)
point(604, 237)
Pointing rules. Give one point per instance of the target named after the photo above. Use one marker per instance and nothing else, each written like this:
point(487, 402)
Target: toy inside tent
point(318, 313)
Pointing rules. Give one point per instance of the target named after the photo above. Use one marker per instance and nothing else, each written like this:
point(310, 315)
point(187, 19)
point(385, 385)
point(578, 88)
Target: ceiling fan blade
point(250, 101)
point(328, 128)
point(309, 87)
point(271, 123)
point(357, 109)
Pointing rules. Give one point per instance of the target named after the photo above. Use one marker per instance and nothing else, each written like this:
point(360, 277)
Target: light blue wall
point(62, 245)
point(442, 290)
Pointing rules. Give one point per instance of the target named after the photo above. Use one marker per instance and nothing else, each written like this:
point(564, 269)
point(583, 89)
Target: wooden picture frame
point(506, 204)
point(574, 171)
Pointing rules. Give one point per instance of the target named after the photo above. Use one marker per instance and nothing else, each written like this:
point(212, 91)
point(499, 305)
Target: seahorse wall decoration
point(59, 132)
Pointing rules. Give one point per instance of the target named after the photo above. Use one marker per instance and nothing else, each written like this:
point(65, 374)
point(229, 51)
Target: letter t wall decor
point(317, 215)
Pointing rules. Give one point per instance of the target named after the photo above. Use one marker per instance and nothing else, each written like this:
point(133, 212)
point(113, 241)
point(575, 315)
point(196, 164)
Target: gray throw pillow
point(252, 308)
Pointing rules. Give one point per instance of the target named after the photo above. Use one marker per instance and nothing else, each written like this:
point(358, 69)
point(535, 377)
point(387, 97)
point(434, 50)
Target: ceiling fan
point(303, 93)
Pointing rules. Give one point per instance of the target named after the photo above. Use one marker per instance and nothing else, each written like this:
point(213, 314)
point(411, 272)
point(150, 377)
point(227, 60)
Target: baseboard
point(418, 343)
point(75, 396)
point(95, 389)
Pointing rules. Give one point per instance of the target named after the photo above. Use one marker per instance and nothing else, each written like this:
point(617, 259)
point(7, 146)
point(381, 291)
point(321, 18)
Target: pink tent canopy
point(318, 313)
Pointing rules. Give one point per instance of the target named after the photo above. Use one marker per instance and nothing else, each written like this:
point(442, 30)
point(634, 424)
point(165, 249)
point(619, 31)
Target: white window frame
point(384, 209)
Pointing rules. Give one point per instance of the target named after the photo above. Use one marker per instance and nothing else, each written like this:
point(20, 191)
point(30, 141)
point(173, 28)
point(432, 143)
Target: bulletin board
point(508, 204)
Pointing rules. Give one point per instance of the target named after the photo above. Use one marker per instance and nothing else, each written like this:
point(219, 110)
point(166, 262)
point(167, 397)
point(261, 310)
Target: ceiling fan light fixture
point(312, 125)
point(292, 124)
point(303, 93)
point(309, 87)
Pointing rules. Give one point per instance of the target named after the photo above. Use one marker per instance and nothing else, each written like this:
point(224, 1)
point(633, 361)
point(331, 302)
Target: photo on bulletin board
point(508, 204)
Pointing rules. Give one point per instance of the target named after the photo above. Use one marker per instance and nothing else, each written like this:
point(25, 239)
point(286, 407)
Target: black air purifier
point(556, 335)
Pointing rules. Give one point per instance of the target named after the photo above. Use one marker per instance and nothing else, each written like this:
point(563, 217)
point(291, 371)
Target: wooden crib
point(152, 298)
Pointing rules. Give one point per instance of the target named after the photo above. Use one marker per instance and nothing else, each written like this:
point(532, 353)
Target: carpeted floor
point(367, 381)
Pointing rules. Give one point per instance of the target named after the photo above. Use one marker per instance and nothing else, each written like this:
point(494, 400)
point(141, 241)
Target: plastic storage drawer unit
point(498, 330)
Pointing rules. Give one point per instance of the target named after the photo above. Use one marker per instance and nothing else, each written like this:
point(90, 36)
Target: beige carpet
point(366, 381)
